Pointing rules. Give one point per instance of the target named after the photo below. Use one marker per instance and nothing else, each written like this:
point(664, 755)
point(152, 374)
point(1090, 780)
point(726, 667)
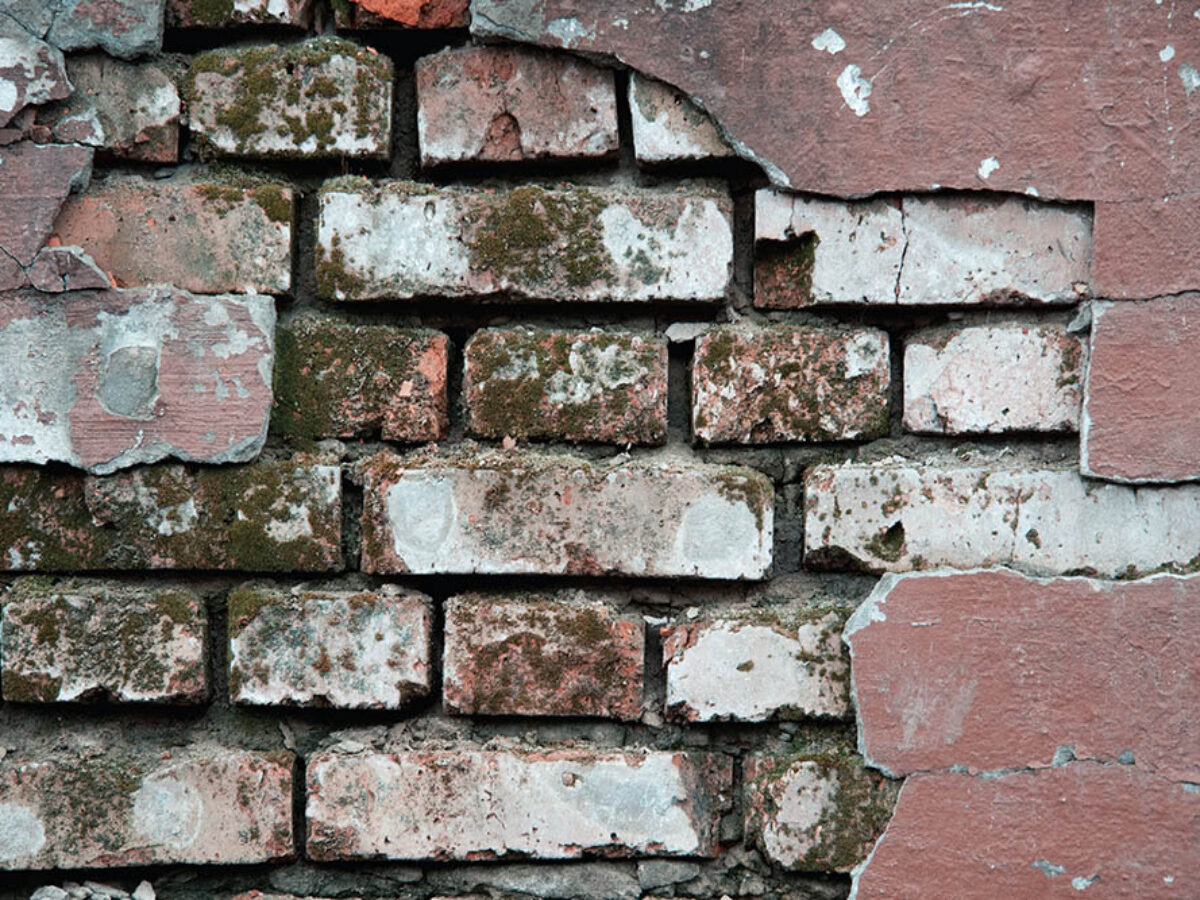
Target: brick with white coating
point(398, 239)
point(560, 515)
point(504, 104)
point(990, 379)
point(32, 72)
point(898, 517)
point(206, 14)
point(548, 804)
point(668, 127)
point(341, 649)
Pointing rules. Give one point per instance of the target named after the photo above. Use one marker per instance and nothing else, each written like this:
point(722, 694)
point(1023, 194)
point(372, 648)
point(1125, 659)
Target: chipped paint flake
point(1167, 53)
point(988, 166)
point(830, 41)
point(1190, 77)
point(855, 89)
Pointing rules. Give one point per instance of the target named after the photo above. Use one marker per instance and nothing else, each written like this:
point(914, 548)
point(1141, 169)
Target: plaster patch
point(21, 832)
point(167, 812)
point(421, 512)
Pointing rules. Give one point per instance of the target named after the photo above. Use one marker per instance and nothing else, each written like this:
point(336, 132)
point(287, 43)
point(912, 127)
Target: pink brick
point(996, 670)
point(668, 127)
point(601, 386)
point(81, 641)
point(1139, 420)
point(422, 14)
point(343, 649)
point(204, 236)
point(753, 386)
point(549, 804)
point(203, 805)
point(992, 379)
point(502, 103)
point(202, 14)
point(542, 655)
point(34, 181)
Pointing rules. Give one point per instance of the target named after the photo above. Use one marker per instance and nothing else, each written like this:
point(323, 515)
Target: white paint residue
point(973, 6)
point(8, 95)
point(988, 166)
point(21, 833)
point(1032, 192)
point(1082, 884)
point(1190, 77)
point(569, 31)
point(855, 89)
point(829, 40)
point(1167, 53)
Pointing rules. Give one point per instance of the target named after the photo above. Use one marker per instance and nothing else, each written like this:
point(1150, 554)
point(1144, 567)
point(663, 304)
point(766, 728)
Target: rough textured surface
point(1148, 248)
point(81, 641)
point(402, 239)
point(421, 14)
point(266, 517)
point(323, 97)
point(34, 182)
point(551, 804)
point(202, 805)
point(338, 380)
point(58, 269)
point(755, 665)
point(1139, 421)
point(344, 649)
point(108, 379)
point(122, 28)
point(205, 236)
point(596, 385)
point(757, 386)
point(559, 515)
point(989, 379)
point(1105, 831)
point(226, 13)
point(570, 654)
point(497, 104)
point(31, 71)
point(667, 126)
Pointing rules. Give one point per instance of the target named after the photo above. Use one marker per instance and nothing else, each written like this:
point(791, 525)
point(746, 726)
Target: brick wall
point(433, 467)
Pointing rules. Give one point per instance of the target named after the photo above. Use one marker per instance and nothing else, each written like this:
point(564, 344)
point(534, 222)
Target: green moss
point(755, 490)
point(888, 545)
point(334, 279)
point(275, 202)
point(19, 688)
point(212, 13)
point(245, 603)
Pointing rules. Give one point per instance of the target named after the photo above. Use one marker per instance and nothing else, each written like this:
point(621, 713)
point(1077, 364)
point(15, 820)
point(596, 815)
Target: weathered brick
point(322, 97)
point(107, 379)
point(121, 28)
point(266, 517)
point(58, 269)
point(402, 239)
point(204, 236)
point(1139, 420)
point(990, 379)
point(815, 813)
point(756, 386)
point(1024, 668)
point(344, 649)
point(203, 805)
point(668, 127)
point(567, 385)
point(918, 251)
point(548, 804)
point(226, 13)
point(1045, 833)
point(333, 379)
point(527, 514)
point(498, 104)
point(32, 71)
point(570, 654)
point(1044, 521)
point(757, 664)
point(34, 181)
point(81, 641)
point(421, 14)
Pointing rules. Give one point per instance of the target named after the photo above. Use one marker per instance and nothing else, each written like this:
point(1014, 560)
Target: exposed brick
point(107, 379)
point(421, 14)
point(203, 805)
point(499, 104)
point(1148, 247)
point(815, 814)
point(122, 28)
point(32, 71)
point(402, 239)
point(58, 269)
point(668, 127)
point(338, 380)
point(266, 517)
point(1139, 421)
point(344, 649)
point(1044, 521)
point(992, 379)
point(570, 654)
point(79, 641)
point(206, 14)
point(322, 97)
point(549, 804)
point(204, 236)
point(757, 386)
point(551, 515)
point(757, 664)
point(34, 181)
point(918, 251)
point(567, 385)
point(1046, 833)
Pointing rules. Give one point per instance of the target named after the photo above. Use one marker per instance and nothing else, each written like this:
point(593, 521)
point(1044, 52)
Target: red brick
point(421, 14)
point(1139, 421)
point(343, 649)
point(202, 14)
point(333, 379)
point(757, 386)
point(34, 181)
point(547, 804)
point(1107, 831)
point(203, 805)
point(1147, 247)
point(601, 386)
point(81, 641)
point(542, 655)
point(995, 670)
point(503, 104)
